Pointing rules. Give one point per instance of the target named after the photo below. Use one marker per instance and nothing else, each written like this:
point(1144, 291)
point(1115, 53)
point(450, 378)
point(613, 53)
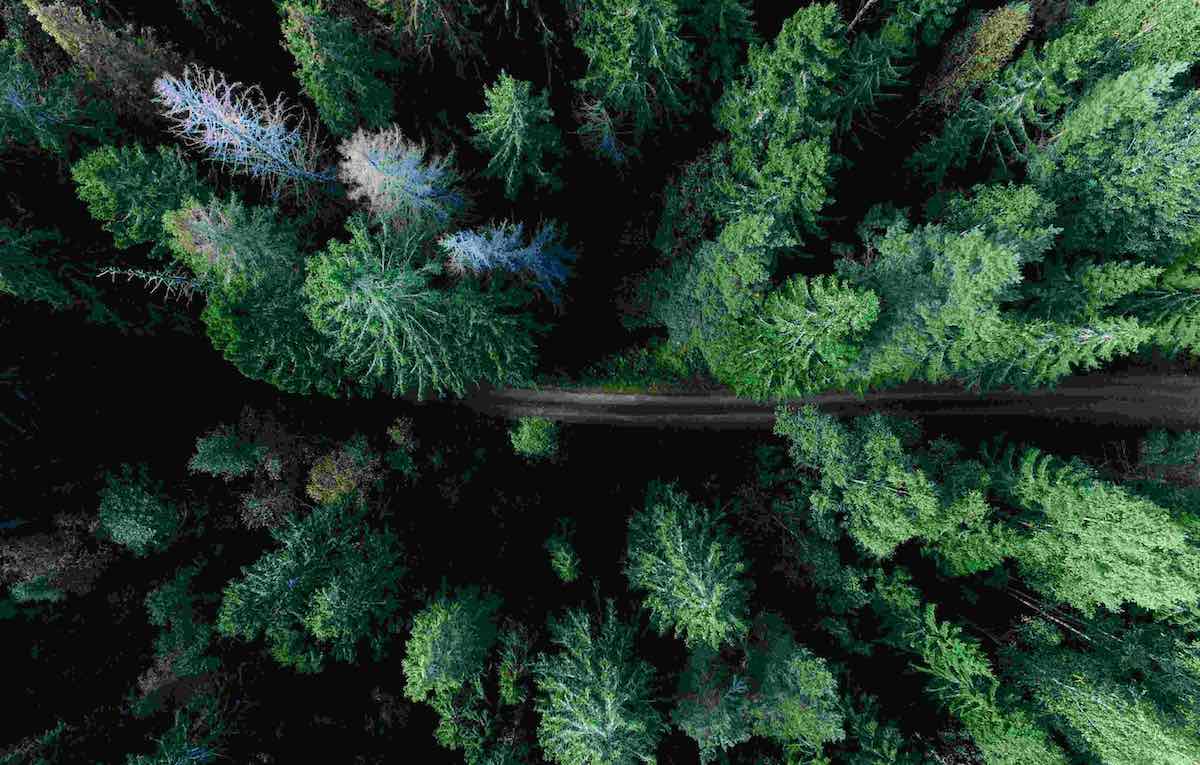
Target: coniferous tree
point(723, 30)
point(637, 61)
point(594, 695)
point(502, 248)
point(130, 189)
point(422, 25)
point(136, 513)
point(26, 272)
point(518, 131)
point(535, 438)
point(329, 587)
point(46, 114)
point(449, 644)
point(690, 568)
point(337, 68)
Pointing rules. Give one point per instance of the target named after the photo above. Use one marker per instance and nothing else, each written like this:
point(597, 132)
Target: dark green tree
point(329, 586)
point(135, 511)
point(27, 272)
point(337, 67)
point(129, 190)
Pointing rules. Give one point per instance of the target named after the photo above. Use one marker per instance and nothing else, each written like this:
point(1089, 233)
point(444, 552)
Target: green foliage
point(724, 30)
point(637, 60)
point(230, 245)
point(46, 115)
point(185, 639)
point(594, 696)
point(1092, 543)
point(518, 131)
point(775, 114)
point(449, 643)
point(690, 566)
point(422, 25)
point(337, 68)
point(534, 437)
point(714, 707)
point(330, 585)
point(224, 454)
point(37, 590)
point(515, 664)
point(136, 513)
point(194, 736)
point(803, 341)
point(563, 558)
point(797, 702)
point(373, 301)
point(1124, 166)
point(129, 190)
point(26, 272)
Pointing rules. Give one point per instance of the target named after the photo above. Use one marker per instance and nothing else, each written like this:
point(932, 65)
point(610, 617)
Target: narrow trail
point(1142, 399)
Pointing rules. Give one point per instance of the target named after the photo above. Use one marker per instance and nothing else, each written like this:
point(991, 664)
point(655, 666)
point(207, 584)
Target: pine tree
point(239, 128)
point(230, 245)
point(26, 272)
point(518, 131)
point(329, 586)
point(136, 513)
point(776, 117)
point(1124, 166)
point(337, 68)
point(689, 566)
point(803, 341)
point(129, 190)
point(46, 114)
point(1091, 543)
point(397, 182)
point(637, 61)
point(449, 644)
point(594, 695)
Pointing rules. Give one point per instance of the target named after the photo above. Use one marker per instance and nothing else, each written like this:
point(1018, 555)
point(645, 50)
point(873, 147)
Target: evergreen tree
point(690, 568)
point(129, 190)
point(372, 299)
point(45, 114)
point(518, 131)
point(337, 68)
point(978, 53)
point(722, 30)
point(182, 644)
point(223, 453)
point(535, 438)
point(230, 245)
point(563, 558)
point(330, 585)
point(1124, 166)
point(239, 128)
point(135, 512)
point(449, 644)
point(803, 341)
point(1091, 543)
point(637, 61)
point(776, 117)
point(594, 695)
point(422, 25)
point(26, 272)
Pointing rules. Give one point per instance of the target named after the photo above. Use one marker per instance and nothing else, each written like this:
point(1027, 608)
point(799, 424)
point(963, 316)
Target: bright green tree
point(329, 586)
point(449, 644)
point(372, 298)
point(690, 568)
point(1089, 542)
point(594, 696)
point(135, 511)
point(518, 131)
point(563, 558)
point(337, 68)
point(129, 190)
point(534, 438)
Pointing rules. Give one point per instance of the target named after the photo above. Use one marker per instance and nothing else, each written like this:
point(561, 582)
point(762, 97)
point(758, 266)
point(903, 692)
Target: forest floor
point(1147, 399)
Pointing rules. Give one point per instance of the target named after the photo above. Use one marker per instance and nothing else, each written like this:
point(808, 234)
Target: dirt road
point(1168, 400)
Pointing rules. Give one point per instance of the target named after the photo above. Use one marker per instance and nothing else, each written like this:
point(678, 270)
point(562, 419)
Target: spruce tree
point(518, 131)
